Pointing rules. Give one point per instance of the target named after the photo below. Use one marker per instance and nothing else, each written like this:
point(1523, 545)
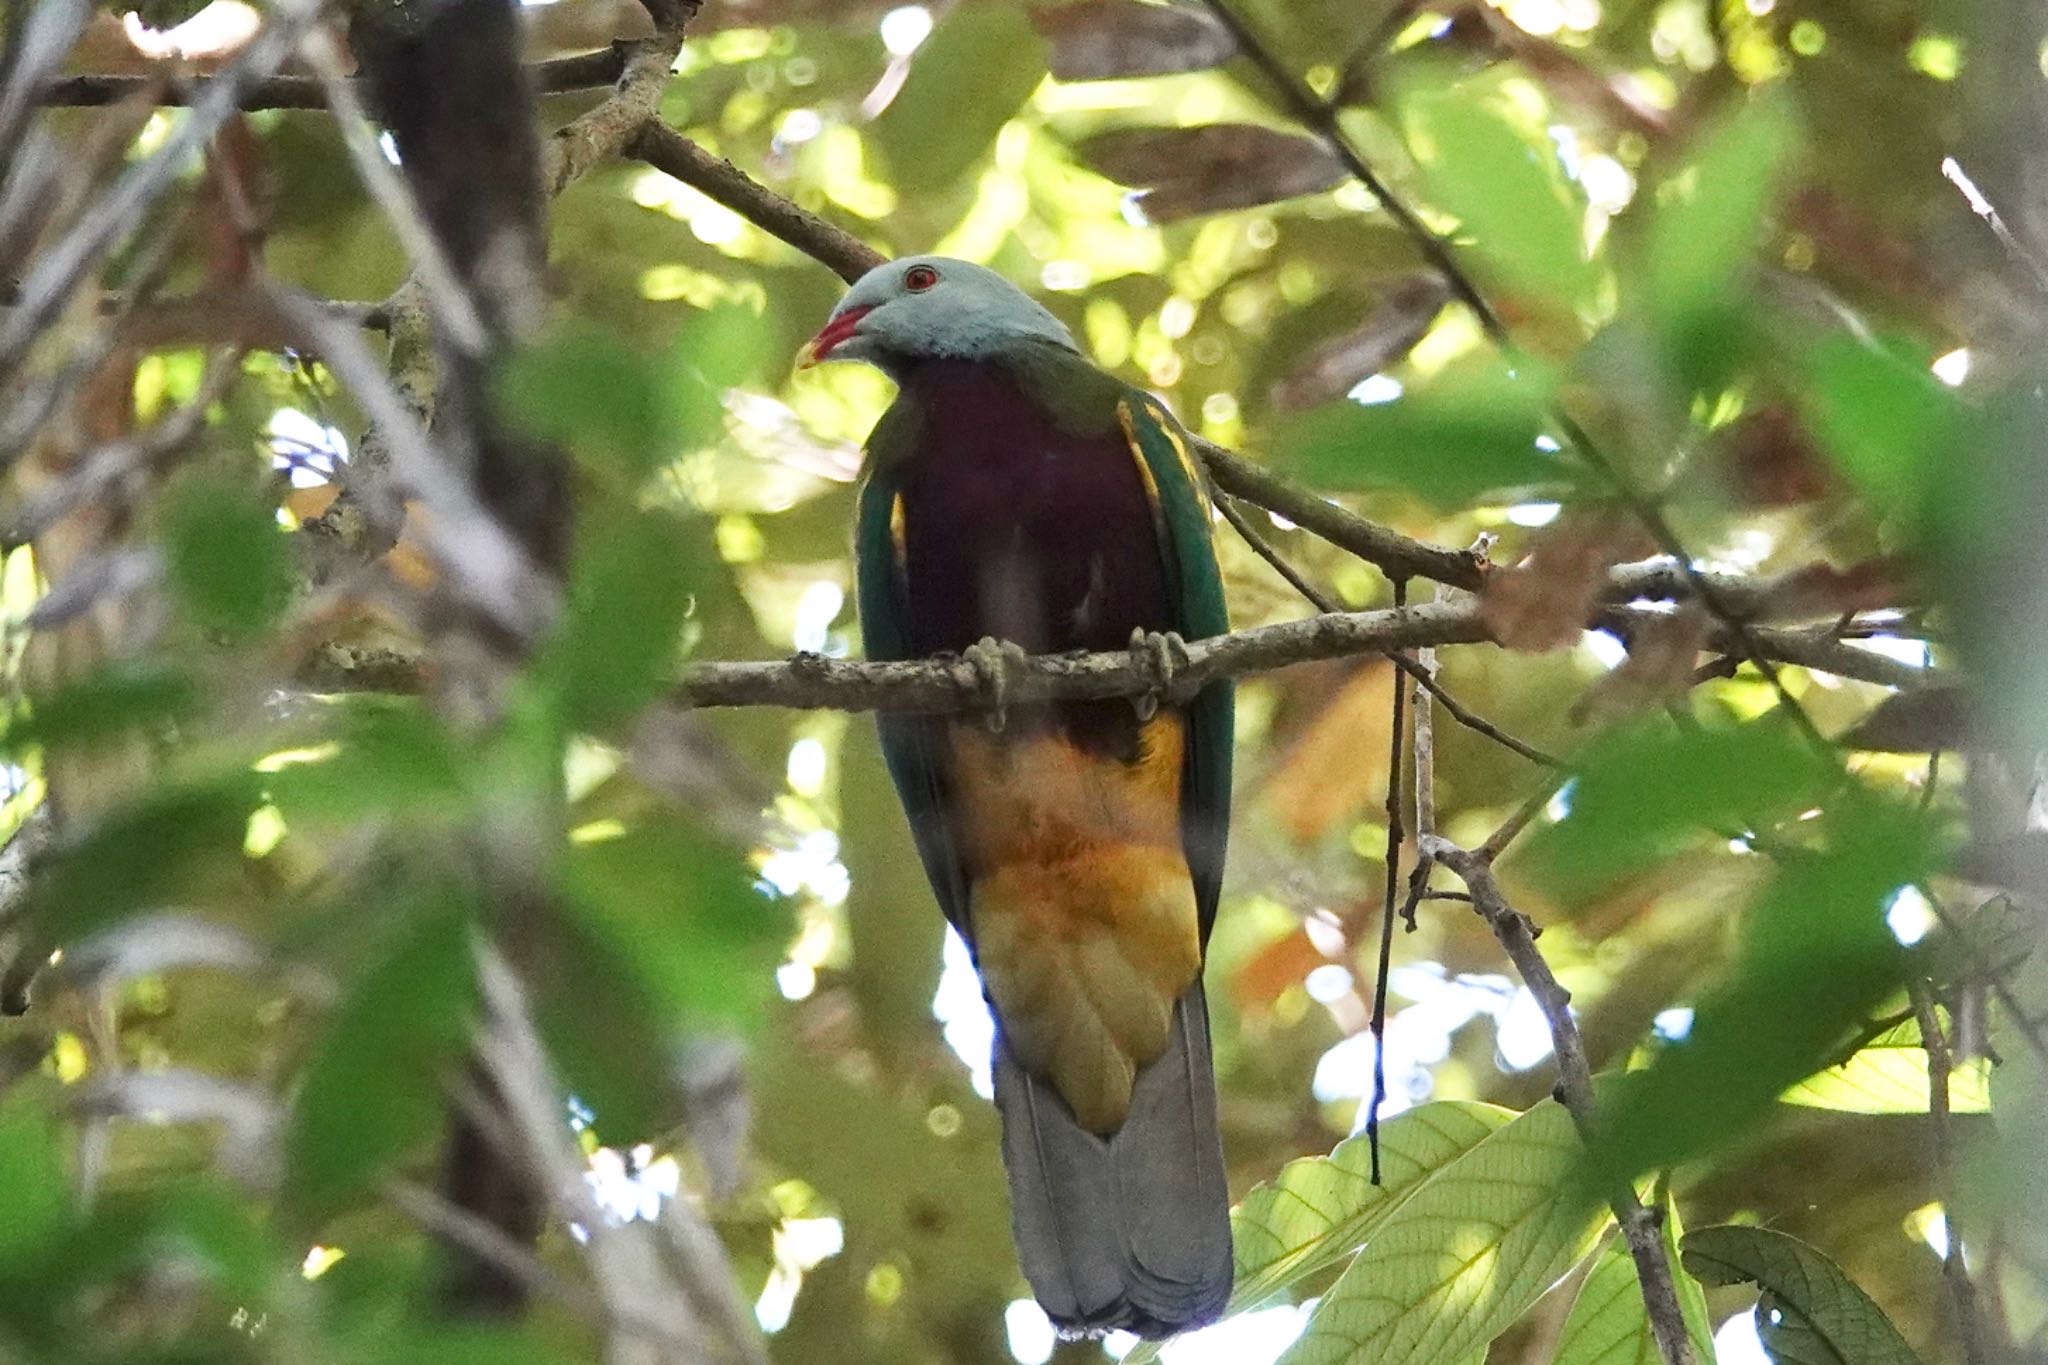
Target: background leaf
point(1810, 1313)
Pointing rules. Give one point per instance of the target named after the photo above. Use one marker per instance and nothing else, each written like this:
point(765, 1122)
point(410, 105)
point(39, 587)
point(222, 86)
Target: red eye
point(919, 278)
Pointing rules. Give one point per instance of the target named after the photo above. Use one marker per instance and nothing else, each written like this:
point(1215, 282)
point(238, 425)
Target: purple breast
point(1019, 528)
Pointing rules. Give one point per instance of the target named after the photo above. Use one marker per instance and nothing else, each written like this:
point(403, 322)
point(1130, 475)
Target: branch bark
point(1640, 1226)
point(588, 71)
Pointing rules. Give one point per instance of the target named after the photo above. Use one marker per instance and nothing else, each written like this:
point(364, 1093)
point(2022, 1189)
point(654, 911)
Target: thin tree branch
point(1321, 120)
point(1640, 1226)
point(669, 152)
point(111, 219)
point(589, 71)
point(1322, 601)
point(1955, 1271)
point(635, 102)
point(1388, 914)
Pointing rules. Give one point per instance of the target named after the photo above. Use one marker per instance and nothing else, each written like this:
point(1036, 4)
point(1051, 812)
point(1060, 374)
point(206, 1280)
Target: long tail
point(1130, 1232)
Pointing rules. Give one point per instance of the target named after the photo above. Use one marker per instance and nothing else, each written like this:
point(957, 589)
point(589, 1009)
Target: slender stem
point(1955, 1272)
point(1640, 1227)
point(1388, 914)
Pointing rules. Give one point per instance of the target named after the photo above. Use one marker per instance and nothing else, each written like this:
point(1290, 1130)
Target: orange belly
point(1080, 903)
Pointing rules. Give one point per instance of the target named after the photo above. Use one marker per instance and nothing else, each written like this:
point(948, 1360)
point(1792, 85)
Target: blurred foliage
point(1719, 234)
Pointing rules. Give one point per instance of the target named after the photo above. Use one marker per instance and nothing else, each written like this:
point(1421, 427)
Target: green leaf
point(679, 911)
point(1886, 422)
point(1497, 170)
point(388, 756)
point(1321, 1209)
point(590, 391)
point(629, 590)
point(1816, 957)
point(1465, 1255)
point(34, 1188)
point(1810, 1313)
point(1709, 215)
point(1467, 436)
point(1889, 1075)
point(178, 842)
point(1609, 1325)
point(226, 556)
point(966, 81)
point(374, 1090)
point(1645, 793)
point(104, 705)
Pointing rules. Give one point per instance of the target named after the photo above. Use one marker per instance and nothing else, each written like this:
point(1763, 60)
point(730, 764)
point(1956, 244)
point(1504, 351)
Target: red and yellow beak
point(830, 337)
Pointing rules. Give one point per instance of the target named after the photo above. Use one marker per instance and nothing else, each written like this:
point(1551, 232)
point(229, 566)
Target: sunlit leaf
point(1890, 1075)
point(1499, 173)
point(376, 1087)
point(1465, 1255)
point(976, 69)
point(1810, 1312)
point(1609, 1324)
point(1320, 1209)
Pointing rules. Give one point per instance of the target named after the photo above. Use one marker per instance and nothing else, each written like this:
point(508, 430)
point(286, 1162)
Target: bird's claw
point(995, 664)
point(1162, 655)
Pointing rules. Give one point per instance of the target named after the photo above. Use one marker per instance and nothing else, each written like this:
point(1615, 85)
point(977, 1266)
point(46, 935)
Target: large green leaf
point(1708, 215)
point(1889, 1075)
point(101, 706)
point(1468, 435)
point(386, 756)
point(1644, 793)
point(1816, 957)
point(226, 555)
point(1609, 1325)
point(678, 910)
point(177, 842)
point(1464, 1256)
point(1498, 171)
point(975, 70)
point(1320, 1209)
point(1809, 1313)
point(629, 591)
point(375, 1088)
point(1887, 423)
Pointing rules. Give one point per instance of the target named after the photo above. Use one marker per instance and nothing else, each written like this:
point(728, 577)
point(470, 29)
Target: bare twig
point(635, 103)
point(65, 265)
point(669, 152)
point(1955, 1271)
point(1423, 678)
point(1389, 887)
point(588, 71)
point(1640, 1226)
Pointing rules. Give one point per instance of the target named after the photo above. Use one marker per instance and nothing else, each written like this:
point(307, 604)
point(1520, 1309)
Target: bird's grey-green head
point(932, 307)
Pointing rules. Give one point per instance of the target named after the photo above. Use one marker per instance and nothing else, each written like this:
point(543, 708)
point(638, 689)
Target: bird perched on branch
point(1015, 500)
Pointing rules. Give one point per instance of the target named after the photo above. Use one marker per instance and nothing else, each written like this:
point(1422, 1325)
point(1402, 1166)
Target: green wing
point(1182, 517)
point(908, 742)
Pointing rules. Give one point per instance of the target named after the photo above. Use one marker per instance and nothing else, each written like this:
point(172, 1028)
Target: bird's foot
point(995, 664)
point(1162, 655)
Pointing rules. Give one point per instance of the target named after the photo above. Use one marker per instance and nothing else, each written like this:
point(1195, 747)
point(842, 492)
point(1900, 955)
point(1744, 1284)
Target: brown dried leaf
point(1190, 171)
point(1269, 973)
point(1769, 460)
point(1098, 40)
point(1659, 665)
point(1336, 762)
point(1824, 590)
point(234, 204)
point(1543, 602)
point(1402, 317)
point(1925, 721)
